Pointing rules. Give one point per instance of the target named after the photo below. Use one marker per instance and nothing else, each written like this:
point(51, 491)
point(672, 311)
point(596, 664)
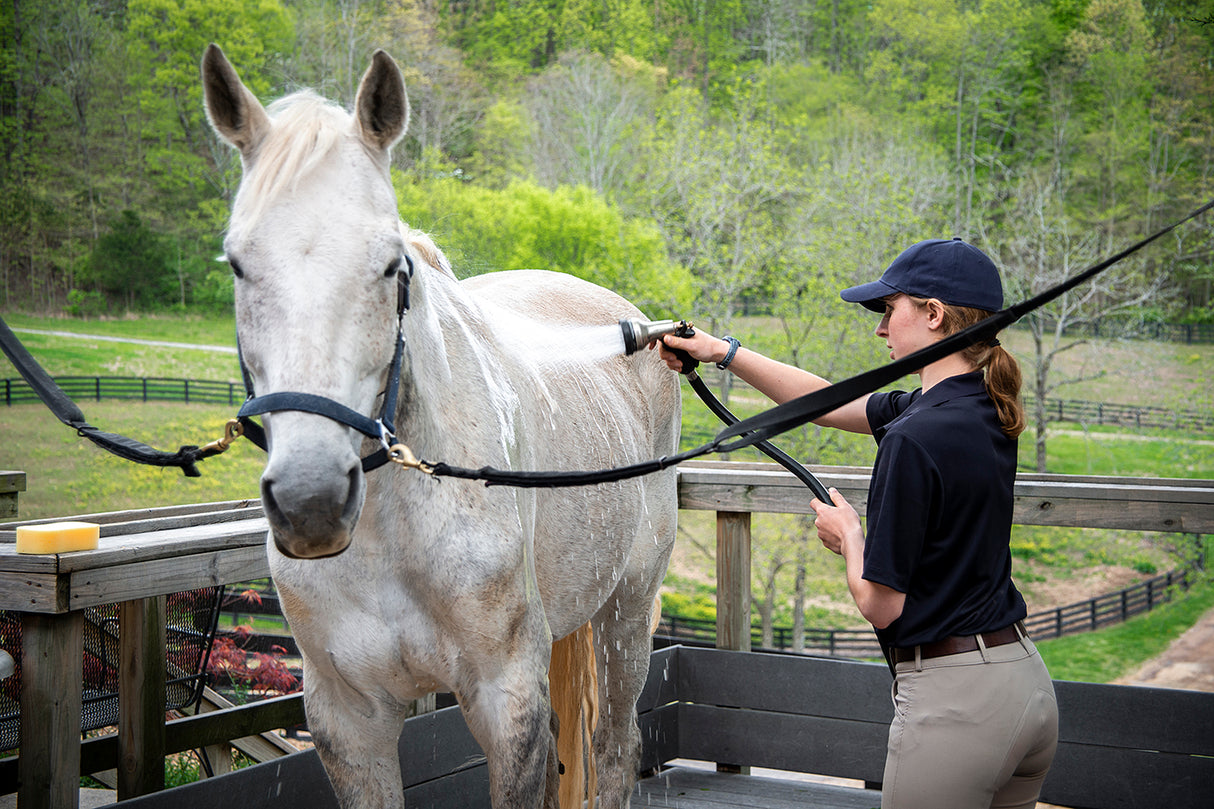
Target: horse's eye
point(392, 268)
point(237, 270)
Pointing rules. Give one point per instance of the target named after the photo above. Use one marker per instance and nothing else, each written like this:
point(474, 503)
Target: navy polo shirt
point(940, 511)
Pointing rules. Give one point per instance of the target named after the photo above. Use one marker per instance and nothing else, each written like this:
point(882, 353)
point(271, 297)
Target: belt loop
point(982, 647)
point(918, 658)
point(1022, 635)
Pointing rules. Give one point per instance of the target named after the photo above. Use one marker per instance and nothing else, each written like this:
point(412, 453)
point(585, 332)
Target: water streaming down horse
point(397, 584)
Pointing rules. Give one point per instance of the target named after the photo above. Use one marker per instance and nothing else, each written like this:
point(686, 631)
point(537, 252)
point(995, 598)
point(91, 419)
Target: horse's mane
point(306, 129)
point(423, 246)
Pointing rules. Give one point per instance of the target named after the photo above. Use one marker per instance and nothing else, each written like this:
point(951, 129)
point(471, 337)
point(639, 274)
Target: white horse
point(398, 584)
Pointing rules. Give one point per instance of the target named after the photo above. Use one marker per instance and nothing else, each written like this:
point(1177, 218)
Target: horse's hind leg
point(622, 645)
point(356, 737)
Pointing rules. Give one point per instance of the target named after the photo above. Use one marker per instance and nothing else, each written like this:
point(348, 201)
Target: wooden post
point(733, 580)
point(51, 683)
point(11, 484)
point(733, 592)
point(141, 703)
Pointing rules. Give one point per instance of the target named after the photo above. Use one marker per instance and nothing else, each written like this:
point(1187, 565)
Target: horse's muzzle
point(312, 517)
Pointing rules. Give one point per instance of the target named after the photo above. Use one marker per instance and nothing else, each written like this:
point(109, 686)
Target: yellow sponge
point(57, 537)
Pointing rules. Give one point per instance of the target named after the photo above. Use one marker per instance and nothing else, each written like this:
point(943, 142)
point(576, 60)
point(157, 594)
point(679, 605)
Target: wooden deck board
point(690, 788)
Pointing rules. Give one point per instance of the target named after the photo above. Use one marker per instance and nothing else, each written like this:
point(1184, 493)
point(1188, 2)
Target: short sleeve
point(903, 496)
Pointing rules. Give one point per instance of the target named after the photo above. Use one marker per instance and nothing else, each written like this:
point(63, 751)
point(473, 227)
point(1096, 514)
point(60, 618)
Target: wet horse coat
point(397, 584)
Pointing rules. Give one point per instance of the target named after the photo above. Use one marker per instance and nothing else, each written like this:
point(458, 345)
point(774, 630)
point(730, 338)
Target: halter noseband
point(381, 429)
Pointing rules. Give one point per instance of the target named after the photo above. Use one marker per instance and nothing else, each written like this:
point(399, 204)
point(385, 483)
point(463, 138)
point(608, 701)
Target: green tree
point(165, 40)
point(133, 262)
point(1111, 52)
point(587, 120)
point(568, 229)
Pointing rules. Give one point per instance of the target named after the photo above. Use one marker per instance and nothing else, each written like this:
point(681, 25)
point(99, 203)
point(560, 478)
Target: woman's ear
point(935, 313)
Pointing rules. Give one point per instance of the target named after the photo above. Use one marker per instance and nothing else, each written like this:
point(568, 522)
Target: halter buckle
point(386, 437)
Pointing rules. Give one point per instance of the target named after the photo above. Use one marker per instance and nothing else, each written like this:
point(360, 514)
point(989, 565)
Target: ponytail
point(1002, 378)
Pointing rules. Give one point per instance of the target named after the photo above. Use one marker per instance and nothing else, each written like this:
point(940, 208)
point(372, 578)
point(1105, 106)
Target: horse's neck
point(456, 391)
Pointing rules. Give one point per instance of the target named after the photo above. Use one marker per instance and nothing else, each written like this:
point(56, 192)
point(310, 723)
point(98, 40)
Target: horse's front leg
point(511, 717)
point(356, 735)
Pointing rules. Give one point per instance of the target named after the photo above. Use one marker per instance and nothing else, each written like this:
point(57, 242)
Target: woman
point(975, 722)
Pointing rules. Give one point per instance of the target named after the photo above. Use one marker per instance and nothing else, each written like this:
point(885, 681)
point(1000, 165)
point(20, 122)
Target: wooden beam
point(51, 684)
point(141, 705)
point(733, 580)
point(11, 484)
point(1145, 504)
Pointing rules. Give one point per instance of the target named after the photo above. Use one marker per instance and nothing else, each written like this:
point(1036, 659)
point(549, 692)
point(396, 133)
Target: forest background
point(702, 157)
point(733, 161)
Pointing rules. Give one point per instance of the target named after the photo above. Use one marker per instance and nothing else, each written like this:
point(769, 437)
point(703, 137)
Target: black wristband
point(733, 349)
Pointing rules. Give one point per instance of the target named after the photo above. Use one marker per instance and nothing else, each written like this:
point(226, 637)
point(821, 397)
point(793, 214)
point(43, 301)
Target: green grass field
point(68, 476)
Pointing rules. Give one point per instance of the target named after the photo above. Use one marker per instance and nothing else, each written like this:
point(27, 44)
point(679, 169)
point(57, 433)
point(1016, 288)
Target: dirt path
point(1187, 663)
point(109, 339)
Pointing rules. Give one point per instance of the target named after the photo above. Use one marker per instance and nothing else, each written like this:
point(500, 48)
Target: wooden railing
point(145, 555)
point(735, 491)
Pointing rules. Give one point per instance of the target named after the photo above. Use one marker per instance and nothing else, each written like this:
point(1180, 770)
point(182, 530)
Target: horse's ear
point(382, 105)
point(234, 112)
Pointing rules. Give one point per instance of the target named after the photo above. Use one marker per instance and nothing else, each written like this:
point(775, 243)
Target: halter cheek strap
point(382, 429)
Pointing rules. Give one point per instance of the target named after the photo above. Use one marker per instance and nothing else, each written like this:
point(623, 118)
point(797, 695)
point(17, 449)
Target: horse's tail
point(573, 685)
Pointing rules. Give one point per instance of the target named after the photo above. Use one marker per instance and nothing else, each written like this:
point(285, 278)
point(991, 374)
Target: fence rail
point(1136, 416)
point(147, 389)
point(1102, 611)
point(163, 389)
point(1081, 616)
point(1133, 329)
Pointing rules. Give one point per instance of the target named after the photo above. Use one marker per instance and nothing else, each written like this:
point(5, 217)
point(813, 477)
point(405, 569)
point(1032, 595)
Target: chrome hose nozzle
point(640, 333)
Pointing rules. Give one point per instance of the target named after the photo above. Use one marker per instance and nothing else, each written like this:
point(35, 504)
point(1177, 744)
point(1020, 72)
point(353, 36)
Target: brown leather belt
point(956, 644)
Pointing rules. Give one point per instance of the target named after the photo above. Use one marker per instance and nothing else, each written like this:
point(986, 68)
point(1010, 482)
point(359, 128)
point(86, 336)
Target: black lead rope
point(797, 412)
point(64, 409)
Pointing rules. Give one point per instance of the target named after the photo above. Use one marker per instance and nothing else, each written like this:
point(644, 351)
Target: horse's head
point(315, 245)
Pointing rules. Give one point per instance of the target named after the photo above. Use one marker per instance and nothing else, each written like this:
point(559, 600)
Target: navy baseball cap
point(951, 270)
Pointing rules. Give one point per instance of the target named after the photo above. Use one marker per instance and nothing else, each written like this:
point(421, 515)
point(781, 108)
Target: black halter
point(381, 429)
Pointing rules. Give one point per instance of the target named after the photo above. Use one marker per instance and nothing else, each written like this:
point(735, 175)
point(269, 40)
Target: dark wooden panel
point(1089, 777)
point(1162, 719)
point(661, 687)
point(435, 744)
point(659, 736)
point(466, 789)
point(843, 748)
point(787, 683)
point(296, 780)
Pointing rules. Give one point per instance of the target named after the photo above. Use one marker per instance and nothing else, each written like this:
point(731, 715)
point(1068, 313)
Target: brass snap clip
point(232, 430)
point(401, 454)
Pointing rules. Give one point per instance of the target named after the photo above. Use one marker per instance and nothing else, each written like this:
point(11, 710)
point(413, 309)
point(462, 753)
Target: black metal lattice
point(190, 622)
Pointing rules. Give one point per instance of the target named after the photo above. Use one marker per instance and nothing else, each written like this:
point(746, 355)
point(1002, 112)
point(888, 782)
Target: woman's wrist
point(731, 350)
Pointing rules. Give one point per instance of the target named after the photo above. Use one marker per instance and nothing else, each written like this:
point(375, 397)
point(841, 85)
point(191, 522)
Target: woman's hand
point(839, 530)
point(838, 525)
point(700, 346)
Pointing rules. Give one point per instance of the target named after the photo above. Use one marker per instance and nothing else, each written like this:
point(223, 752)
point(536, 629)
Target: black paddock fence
point(146, 389)
point(200, 391)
